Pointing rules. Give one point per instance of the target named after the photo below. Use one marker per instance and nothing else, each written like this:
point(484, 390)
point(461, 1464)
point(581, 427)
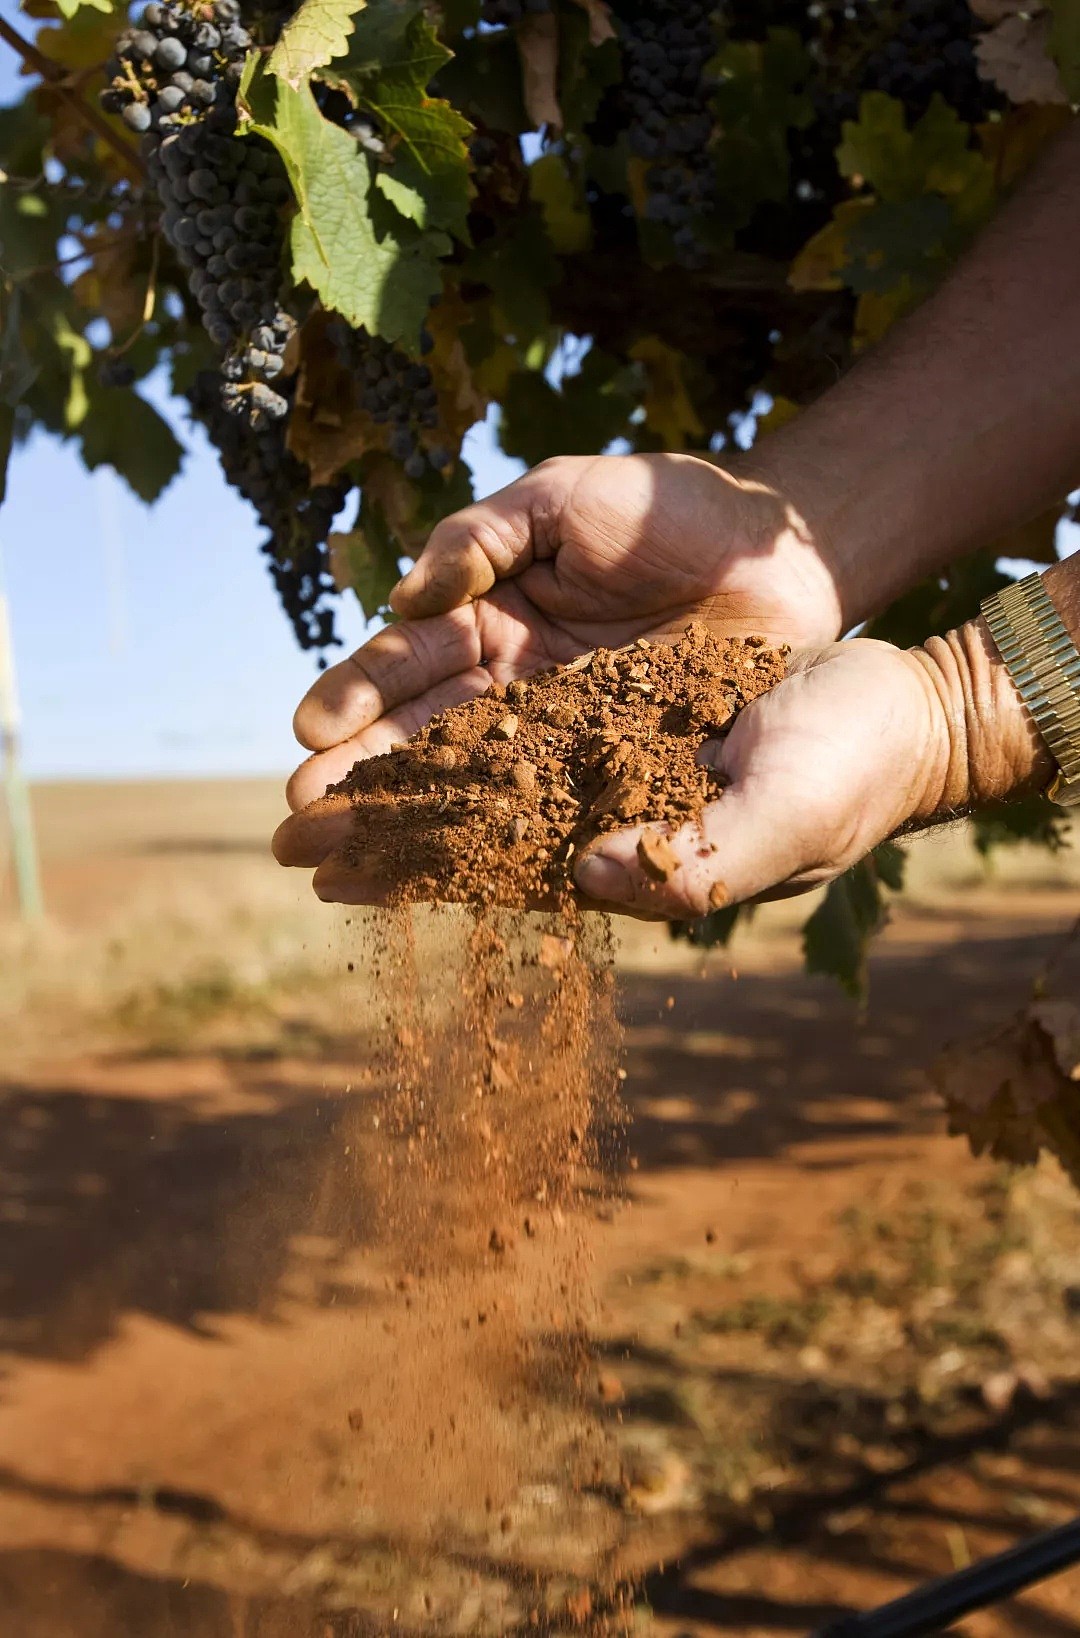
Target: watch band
point(1044, 663)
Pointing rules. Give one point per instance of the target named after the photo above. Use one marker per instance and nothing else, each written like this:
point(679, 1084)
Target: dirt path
point(832, 1354)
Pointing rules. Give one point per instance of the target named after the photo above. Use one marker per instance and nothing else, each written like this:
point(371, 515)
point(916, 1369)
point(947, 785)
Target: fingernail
point(603, 878)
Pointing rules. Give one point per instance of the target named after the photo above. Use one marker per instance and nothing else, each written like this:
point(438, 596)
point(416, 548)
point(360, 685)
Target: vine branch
point(55, 78)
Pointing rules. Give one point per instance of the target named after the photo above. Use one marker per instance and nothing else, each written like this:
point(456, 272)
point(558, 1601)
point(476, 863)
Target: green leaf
point(427, 178)
point(903, 238)
point(935, 156)
point(123, 431)
point(380, 281)
point(1065, 44)
point(591, 409)
point(519, 267)
point(312, 37)
point(562, 205)
point(484, 80)
point(68, 8)
point(714, 931)
point(836, 936)
point(365, 559)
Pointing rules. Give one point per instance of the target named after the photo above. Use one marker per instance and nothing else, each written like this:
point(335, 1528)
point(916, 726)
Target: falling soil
point(493, 800)
point(498, 1137)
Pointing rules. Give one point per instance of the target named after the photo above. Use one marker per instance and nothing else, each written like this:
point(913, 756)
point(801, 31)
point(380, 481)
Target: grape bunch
point(397, 392)
point(174, 80)
point(665, 95)
point(930, 48)
point(297, 516)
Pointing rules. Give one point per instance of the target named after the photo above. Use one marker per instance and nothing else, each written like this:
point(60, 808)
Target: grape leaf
point(364, 560)
point(313, 37)
point(1015, 56)
point(377, 41)
point(669, 410)
point(427, 178)
point(68, 8)
point(591, 409)
point(17, 372)
point(120, 429)
point(935, 155)
point(561, 205)
point(1065, 44)
point(836, 936)
point(382, 282)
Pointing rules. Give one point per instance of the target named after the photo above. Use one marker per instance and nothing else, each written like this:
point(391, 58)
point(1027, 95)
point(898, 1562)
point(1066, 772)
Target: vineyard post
point(16, 794)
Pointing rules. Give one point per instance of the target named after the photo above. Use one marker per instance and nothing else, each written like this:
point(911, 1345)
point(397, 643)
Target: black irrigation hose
point(934, 1607)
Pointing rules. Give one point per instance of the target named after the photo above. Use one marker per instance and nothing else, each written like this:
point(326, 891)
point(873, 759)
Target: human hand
point(580, 553)
point(859, 739)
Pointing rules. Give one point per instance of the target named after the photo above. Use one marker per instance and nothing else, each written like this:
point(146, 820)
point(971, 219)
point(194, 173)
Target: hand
point(856, 741)
point(579, 553)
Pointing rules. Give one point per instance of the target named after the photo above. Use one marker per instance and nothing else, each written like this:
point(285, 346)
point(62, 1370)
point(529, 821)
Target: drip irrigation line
point(933, 1608)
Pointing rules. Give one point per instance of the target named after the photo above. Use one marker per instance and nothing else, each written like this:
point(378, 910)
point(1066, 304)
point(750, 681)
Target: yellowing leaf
point(69, 8)
point(78, 352)
point(819, 262)
point(462, 400)
point(313, 37)
point(114, 284)
point(669, 411)
point(561, 204)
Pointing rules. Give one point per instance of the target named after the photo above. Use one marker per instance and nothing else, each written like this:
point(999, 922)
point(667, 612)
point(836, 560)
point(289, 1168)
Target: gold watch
point(1044, 663)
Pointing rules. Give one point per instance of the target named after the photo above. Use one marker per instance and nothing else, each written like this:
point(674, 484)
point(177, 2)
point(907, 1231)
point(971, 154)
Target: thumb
point(745, 843)
point(469, 551)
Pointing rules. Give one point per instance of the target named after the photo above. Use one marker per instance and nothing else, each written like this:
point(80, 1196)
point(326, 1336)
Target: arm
point(965, 421)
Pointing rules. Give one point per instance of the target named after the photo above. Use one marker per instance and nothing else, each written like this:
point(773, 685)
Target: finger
point(745, 844)
point(326, 768)
point(305, 839)
point(397, 665)
point(468, 552)
point(338, 882)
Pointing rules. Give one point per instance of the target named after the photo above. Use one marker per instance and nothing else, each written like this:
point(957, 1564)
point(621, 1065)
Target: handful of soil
point(490, 803)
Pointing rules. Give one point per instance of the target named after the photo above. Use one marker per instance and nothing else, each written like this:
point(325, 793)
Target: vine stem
point(54, 77)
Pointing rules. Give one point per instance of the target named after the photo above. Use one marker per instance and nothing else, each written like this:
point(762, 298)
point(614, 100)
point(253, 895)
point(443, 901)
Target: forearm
point(992, 750)
point(965, 422)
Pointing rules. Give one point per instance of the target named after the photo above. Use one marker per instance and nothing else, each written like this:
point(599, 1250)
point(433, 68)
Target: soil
point(491, 802)
point(819, 1353)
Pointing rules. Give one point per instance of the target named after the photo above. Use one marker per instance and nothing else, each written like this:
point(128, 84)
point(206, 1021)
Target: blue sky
point(148, 640)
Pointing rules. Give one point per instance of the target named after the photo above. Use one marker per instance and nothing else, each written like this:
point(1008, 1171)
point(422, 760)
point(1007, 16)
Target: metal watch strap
point(1044, 663)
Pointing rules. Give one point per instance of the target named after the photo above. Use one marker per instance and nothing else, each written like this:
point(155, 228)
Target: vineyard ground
point(838, 1355)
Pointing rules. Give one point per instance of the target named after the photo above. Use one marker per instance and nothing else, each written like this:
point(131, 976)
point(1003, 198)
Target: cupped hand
point(855, 742)
point(581, 552)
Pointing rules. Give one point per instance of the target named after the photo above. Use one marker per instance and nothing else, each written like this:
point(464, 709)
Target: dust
point(497, 1137)
point(491, 802)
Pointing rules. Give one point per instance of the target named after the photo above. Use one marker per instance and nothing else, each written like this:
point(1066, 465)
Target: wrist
point(785, 524)
point(992, 749)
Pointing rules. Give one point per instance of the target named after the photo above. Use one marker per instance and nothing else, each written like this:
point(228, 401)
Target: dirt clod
point(612, 739)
